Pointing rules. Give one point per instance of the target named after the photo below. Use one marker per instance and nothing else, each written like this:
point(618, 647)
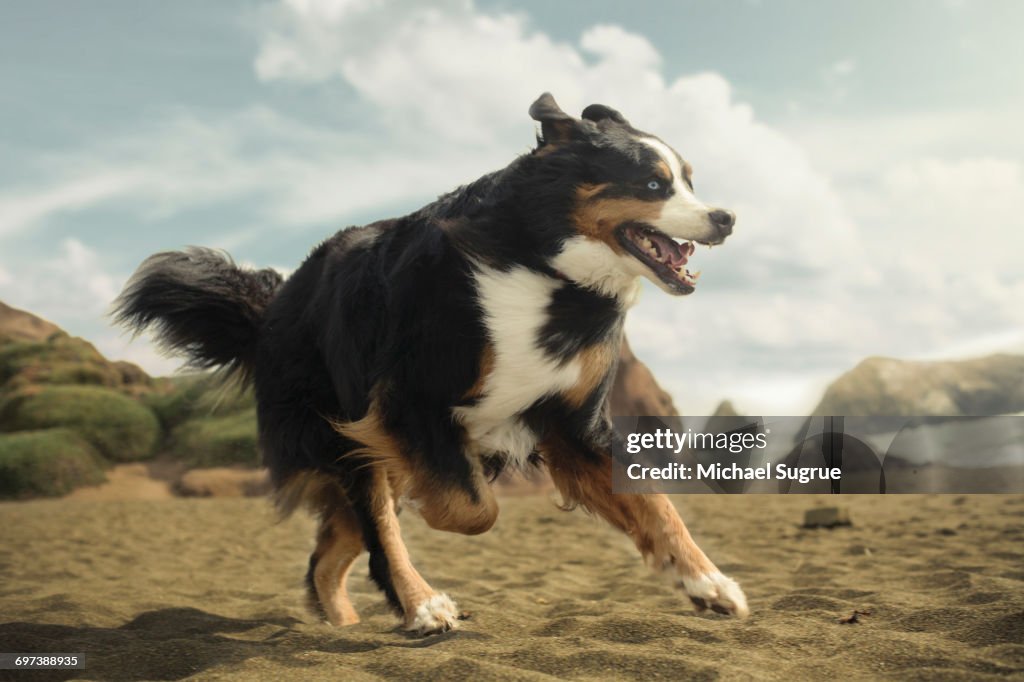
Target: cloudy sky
point(872, 151)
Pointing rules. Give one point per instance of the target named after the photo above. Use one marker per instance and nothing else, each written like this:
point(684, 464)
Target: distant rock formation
point(635, 392)
point(888, 387)
point(18, 325)
point(726, 419)
point(725, 409)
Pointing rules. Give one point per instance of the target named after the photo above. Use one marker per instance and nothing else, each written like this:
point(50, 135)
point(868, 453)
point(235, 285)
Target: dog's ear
point(556, 126)
point(599, 112)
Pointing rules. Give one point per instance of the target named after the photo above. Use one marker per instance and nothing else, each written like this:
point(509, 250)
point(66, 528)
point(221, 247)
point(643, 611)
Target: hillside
point(68, 414)
point(18, 325)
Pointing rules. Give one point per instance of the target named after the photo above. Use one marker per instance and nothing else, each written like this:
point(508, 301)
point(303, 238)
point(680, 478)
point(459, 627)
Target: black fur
point(578, 318)
point(312, 599)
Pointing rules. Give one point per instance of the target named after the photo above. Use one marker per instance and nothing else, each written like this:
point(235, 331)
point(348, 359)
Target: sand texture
point(212, 589)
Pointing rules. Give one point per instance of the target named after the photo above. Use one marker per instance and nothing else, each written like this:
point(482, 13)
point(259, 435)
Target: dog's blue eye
point(653, 185)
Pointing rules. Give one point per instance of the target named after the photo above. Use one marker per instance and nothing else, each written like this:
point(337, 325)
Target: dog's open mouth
point(663, 255)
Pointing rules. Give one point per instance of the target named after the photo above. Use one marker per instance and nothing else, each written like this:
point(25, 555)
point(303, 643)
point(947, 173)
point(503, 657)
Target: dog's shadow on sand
point(167, 644)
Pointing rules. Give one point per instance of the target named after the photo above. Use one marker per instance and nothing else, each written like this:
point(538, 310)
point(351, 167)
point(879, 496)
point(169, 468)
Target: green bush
point(174, 401)
point(197, 396)
point(217, 441)
point(120, 428)
point(68, 373)
point(46, 463)
point(131, 374)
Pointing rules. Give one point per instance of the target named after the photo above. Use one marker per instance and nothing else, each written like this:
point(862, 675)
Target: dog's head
point(634, 212)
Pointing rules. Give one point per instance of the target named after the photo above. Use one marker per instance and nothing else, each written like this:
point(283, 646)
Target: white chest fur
point(515, 306)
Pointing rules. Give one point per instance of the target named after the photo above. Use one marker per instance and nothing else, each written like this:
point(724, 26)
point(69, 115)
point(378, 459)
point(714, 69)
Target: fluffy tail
point(200, 304)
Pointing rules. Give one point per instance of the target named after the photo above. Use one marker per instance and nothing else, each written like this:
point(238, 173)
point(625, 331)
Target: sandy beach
point(170, 589)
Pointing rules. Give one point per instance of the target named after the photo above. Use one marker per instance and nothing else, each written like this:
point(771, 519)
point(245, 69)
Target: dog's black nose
point(723, 220)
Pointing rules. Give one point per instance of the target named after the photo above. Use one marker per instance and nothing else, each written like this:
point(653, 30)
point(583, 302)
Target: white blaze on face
point(683, 216)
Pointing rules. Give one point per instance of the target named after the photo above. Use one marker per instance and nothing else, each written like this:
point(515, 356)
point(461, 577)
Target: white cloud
point(295, 173)
point(438, 119)
point(144, 354)
point(458, 74)
point(850, 239)
point(71, 285)
point(863, 146)
point(464, 77)
point(21, 209)
point(837, 77)
point(843, 67)
point(74, 290)
point(952, 216)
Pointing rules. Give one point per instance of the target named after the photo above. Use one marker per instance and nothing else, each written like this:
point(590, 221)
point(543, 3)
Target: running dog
point(414, 358)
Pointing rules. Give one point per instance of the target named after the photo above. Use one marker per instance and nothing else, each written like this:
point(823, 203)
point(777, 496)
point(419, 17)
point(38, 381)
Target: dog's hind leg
point(339, 544)
point(584, 477)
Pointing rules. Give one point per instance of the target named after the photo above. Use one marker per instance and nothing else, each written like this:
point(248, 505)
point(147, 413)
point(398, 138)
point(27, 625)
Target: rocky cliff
point(889, 387)
point(636, 392)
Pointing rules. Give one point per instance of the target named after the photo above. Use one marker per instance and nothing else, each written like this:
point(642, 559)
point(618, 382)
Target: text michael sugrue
point(734, 442)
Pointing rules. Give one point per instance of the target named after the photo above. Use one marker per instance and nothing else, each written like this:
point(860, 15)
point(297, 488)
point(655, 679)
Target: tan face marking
point(664, 172)
point(597, 217)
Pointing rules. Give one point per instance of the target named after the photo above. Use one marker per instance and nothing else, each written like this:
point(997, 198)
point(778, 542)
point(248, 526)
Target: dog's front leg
point(426, 611)
point(583, 474)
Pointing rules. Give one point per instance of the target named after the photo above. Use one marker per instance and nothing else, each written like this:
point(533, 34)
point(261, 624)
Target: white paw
point(717, 592)
point(436, 615)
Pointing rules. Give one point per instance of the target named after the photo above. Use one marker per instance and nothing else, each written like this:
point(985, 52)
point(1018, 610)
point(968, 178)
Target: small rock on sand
point(826, 517)
point(223, 482)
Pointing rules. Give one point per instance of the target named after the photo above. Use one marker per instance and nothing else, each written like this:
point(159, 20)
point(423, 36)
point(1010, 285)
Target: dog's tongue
point(670, 252)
